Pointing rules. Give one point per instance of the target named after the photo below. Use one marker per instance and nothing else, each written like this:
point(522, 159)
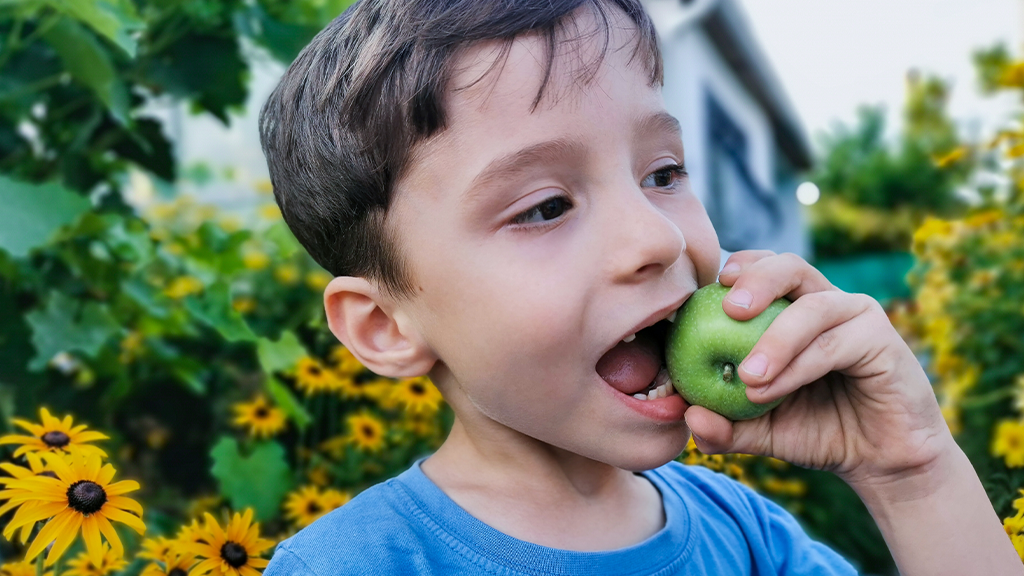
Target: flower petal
point(31, 514)
point(123, 517)
point(93, 544)
point(108, 530)
point(65, 536)
point(125, 503)
point(122, 487)
point(48, 533)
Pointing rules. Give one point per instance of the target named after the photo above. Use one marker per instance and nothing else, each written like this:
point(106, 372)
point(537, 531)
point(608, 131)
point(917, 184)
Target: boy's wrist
point(920, 482)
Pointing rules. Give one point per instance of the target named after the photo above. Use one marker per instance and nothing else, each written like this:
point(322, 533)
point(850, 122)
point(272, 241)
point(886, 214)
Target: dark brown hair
point(339, 128)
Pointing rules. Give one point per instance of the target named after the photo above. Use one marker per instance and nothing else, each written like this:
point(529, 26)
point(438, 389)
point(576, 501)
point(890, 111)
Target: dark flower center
point(417, 389)
point(262, 412)
point(177, 572)
point(86, 497)
point(313, 508)
point(368, 431)
point(55, 439)
point(234, 554)
point(314, 370)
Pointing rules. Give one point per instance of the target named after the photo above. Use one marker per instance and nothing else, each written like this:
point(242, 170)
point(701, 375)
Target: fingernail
point(756, 365)
point(741, 298)
point(730, 268)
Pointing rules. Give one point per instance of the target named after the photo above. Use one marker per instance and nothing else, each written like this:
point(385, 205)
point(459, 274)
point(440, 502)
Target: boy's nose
point(643, 241)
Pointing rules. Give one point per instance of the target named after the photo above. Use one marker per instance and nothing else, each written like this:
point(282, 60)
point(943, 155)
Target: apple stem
point(727, 371)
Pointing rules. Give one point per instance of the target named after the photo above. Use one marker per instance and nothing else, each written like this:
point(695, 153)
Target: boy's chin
point(649, 455)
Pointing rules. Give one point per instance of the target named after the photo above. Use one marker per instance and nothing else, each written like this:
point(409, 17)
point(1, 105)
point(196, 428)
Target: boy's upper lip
point(651, 320)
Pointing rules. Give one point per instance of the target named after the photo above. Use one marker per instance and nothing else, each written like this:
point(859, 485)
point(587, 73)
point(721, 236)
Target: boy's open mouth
point(636, 366)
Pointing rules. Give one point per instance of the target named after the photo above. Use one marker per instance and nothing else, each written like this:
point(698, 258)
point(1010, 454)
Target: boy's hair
point(339, 128)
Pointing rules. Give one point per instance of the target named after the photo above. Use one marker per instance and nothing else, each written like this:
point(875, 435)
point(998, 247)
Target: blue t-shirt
point(407, 525)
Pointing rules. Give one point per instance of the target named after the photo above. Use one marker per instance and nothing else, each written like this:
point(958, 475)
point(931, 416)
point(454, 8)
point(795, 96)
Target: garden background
point(191, 340)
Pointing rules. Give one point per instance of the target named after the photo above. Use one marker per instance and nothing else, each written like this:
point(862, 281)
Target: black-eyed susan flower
point(366, 431)
point(345, 362)
point(173, 565)
point(85, 565)
point(308, 503)
point(81, 496)
point(21, 569)
point(417, 395)
point(157, 549)
point(232, 551)
point(355, 388)
point(312, 377)
point(54, 435)
point(188, 535)
point(261, 418)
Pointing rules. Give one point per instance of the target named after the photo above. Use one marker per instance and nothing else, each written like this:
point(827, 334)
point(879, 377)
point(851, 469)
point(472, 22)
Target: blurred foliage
point(874, 193)
point(967, 316)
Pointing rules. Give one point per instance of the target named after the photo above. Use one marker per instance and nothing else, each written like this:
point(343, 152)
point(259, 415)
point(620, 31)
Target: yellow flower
point(317, 280)
point(983, 218)
point(366, 431)
point(319, 475)
point(270, 212)
point(312, 377)
point(355, 388)
point(157, 549)
point(243, 304)
point(1009, 442)
point(183, 286)
point(1013, 524)
point(262, 419)
point(417, 395)
point(21, 569)
point(80, 497)
point(1018, 544)
point(306, 504)
point(287, 274)
point(345, 362)
point(54, 435)
point(232, 551)
point(131, 345)
point(174, 565)
point(255, 259)
point(85, 565)
point(786, 487)
point(951, 157)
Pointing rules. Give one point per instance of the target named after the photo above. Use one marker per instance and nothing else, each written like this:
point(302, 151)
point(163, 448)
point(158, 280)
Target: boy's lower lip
point(667, 409)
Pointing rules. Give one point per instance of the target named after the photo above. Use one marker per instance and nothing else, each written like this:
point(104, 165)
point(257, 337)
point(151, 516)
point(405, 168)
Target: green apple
point(704, 348)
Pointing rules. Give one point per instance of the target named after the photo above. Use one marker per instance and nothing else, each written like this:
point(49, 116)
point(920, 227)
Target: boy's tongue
point(631, 366)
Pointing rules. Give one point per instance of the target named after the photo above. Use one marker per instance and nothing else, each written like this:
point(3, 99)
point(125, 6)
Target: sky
point(833, 55)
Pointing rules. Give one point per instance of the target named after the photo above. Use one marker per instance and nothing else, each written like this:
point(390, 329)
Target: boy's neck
point(542, 494)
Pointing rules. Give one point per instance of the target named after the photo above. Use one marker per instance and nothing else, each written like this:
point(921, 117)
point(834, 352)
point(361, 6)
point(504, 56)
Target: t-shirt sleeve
point(773, 534)
point(286, 563)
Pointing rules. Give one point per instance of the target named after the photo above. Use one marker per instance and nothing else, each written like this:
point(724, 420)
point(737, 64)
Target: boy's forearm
point(941, 522)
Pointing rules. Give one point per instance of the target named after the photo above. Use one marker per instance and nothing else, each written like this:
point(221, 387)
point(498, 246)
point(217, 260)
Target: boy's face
point(525, 277)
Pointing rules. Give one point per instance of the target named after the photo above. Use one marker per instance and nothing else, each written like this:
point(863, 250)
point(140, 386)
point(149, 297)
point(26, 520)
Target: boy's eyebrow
point(510, 165)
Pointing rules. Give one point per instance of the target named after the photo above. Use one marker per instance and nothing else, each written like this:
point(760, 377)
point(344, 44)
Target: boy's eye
point(667, 177)
point(545, 211)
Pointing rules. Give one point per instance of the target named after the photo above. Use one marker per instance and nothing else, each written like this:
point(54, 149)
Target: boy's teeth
point(672, 317)
point(660, 388)
point(629, 338)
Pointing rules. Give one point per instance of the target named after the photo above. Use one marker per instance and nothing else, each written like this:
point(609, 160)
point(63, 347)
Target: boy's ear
point(378, 335)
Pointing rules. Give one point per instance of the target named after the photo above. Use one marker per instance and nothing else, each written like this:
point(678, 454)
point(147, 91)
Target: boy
point(501, 196)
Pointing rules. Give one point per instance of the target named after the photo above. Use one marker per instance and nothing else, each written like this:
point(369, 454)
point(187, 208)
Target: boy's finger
point(716, 434)
point(810, 318)
point(832, 351)
point(767, 280)
point(738, 262)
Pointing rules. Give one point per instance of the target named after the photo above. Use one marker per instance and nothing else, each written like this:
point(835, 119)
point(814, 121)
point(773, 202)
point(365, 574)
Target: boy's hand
point(859, 405)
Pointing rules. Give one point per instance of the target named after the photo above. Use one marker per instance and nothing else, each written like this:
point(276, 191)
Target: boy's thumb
point(716, 434)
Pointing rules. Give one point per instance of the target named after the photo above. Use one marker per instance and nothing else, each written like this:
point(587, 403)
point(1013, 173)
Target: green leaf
point(258, 480)
point(280, 355)
point(88, 62)
point(214, 309)
point(57, 328)
point(204, 68)
point(32, 212)
point(117, 20)
point(287, 402)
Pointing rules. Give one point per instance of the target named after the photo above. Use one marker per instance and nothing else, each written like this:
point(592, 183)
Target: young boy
point(501, 196)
